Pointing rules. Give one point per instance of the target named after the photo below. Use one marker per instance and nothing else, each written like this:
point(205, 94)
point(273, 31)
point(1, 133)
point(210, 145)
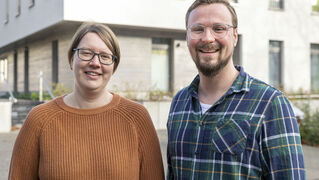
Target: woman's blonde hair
point(104, 32)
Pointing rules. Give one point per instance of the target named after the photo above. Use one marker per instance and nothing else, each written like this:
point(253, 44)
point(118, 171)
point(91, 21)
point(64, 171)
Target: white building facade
point(278, 43)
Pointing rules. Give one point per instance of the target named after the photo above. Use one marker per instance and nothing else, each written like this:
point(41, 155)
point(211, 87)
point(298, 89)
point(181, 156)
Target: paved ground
point(7, 140)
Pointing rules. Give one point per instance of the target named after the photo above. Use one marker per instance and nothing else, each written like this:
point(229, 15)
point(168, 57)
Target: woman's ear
point(71, 64)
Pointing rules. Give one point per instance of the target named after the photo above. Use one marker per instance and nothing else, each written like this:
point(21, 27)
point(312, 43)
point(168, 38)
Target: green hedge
point(316, 7)
point(309, 127)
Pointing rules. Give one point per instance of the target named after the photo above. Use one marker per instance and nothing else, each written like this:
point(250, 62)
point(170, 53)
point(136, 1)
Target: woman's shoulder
point(46, 107)
point(42, 112)
point(133, 110)
point(131, 106)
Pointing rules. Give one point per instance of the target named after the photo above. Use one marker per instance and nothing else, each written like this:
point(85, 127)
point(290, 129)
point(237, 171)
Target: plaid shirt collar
point(241, 84)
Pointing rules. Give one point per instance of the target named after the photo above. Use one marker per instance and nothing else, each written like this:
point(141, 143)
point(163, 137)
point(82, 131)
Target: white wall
point(296, 26)
point(165, 14)
point(168, 14)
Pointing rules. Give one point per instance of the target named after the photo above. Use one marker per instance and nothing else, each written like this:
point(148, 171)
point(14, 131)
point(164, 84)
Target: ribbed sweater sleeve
point(25, 159)
point(151, 166)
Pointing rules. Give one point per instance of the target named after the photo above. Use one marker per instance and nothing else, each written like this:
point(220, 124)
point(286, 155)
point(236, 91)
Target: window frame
point(314, 51)
point(169, 42)
point(273, 5)
point(279, 51)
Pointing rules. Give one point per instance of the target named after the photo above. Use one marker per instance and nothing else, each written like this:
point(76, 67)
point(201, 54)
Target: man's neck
point(211, 89)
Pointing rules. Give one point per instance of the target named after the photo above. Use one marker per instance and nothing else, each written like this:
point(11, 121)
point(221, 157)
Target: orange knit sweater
point(116, 141)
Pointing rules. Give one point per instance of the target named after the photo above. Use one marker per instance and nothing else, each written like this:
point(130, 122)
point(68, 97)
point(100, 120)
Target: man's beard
point(211, 70)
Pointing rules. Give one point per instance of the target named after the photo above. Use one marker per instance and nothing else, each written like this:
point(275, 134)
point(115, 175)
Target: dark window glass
point(275, 63)
point(276, 4)
point(314, 56)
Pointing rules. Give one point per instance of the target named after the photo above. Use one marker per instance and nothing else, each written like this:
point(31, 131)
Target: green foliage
point(60, 89)
point(140, 92)
point(4, 95)
point(309, 127)
point(316, 7)
point(158, 95)
point(34, 96)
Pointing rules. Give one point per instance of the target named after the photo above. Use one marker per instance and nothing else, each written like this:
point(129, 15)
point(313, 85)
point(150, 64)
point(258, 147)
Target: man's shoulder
point(182, 94)
point(259, 86)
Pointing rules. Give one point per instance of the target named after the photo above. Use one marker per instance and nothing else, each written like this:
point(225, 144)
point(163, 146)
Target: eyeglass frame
point(212, 32)
point(114, 58)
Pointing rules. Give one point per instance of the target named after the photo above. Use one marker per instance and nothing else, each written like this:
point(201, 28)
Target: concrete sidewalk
point(311, 155)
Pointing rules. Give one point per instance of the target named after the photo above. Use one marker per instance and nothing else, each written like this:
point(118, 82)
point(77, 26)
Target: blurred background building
point(278, 42)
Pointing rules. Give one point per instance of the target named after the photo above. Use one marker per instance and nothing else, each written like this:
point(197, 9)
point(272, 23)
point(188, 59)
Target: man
point(227, 124)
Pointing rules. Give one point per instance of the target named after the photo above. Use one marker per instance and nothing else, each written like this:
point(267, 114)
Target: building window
point(314, 53)
point(6, 15)
point(55, 62)
point(315, 6)
point(31, 3)
point(161, 68)
point(276, 4)
point(18, 8)
point(3, 69)
point(275, 63)
point(237, 52)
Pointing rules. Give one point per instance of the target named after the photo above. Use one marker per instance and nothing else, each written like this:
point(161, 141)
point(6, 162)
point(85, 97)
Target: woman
point(90, 133)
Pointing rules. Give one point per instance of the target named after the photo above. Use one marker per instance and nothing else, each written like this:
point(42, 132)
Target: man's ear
point(235, 36)
point(187, 39)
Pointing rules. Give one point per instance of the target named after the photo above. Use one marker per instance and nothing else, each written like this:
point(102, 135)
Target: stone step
point(20, 110)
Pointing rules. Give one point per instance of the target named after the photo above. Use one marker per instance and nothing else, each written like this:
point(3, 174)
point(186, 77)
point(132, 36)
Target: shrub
point(60, 89)
point(309, 127)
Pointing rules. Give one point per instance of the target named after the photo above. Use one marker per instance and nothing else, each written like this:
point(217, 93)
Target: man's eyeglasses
point(219, 31)
point(88, 55)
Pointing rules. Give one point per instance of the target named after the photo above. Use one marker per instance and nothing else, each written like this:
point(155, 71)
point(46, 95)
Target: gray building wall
point(132, 76)
point(296, 26)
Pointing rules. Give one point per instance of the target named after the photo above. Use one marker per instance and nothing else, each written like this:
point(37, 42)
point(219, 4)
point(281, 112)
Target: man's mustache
point(208, 46)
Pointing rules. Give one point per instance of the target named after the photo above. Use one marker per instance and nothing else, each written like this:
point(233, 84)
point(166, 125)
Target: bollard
point(5, 116)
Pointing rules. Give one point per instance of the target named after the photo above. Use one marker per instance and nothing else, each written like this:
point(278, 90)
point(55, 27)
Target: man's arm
point(169, 175)
point(281, 149)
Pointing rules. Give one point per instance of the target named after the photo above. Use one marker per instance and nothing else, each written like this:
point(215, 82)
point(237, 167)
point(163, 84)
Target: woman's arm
point(149, 148)
point(25, 155)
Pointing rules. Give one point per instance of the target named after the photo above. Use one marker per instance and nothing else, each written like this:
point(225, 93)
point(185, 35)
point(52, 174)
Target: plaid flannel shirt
point(250, 133)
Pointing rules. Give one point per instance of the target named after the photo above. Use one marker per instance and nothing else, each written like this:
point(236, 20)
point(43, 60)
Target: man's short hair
point(204, 2)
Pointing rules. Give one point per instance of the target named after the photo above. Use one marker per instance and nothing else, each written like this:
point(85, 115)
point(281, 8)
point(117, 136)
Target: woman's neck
point(81, 100)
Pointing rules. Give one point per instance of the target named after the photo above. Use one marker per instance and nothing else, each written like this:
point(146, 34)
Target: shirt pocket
point(230, 136)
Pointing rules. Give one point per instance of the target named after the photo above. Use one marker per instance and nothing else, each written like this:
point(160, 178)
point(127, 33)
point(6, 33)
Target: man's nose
point(208, 35)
